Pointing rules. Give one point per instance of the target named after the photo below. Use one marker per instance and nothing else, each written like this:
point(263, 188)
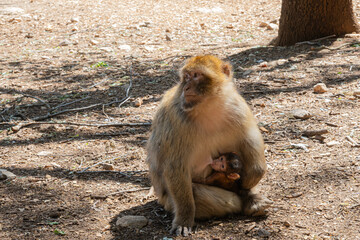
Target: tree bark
point(303, 20)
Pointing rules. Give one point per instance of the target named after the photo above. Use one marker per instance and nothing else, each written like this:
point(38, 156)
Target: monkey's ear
point(233, 176)
point(227, 69)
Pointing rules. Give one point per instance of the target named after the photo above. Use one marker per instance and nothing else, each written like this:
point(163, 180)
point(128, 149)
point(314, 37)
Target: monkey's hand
point(180, 230)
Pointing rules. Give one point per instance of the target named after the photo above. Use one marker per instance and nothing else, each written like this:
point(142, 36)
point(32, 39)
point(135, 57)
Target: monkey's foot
point(256, 205)
point(180, 231)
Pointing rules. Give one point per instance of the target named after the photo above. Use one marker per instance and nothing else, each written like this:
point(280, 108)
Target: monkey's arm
point(215, 177)
point(179, 186)
point(252, 153)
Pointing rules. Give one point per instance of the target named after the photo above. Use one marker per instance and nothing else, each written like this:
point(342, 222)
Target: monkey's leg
point(180, 191)
point(253, 203)
point(215, 202)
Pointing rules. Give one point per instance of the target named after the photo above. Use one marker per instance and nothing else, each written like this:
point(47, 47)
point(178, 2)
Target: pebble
point(263, 24)
point(65, 43)
point(94, 42)
point(5, 174)
point(44, 153)
point(108, 167)
point(320, 88)
point(15, 20)
point(272, 26)
point(263, 233)
point(131, 221)
point(74, 20)
point(332, 143)
point(357, 93)
point(301, 114)
point(106, 49)
point(29, 35)
point(49, 28)
point(125, 47)
point(137, 102)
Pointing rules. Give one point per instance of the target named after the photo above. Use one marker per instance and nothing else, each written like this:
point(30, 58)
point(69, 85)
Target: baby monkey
point(226, 173)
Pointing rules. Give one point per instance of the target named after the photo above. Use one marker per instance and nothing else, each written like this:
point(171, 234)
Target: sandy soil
point(57, 58)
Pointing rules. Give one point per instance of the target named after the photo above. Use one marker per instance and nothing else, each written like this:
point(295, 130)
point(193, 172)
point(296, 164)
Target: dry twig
point(17, 126)
point(315, 132)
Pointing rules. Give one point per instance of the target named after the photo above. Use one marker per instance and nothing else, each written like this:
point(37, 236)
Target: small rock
point(145, 24)
point(74, 29)
point(332, 143)
point(149, 48)
point(94, 42)
point(132, 221)
point(272, 26)
point(107, 166)
point(281, 61)
point(138, 102)
point(357, 93)
point(263, 64)
point(263, 24)
point(65, 43)
point(29, 35)
point(5, 174)
point(263, 233)
point(300, 146)
point(106, 49)
point(167, 37)
point(320, 88)
point(286, 224)
point(125, 47)
point(15, 20)
point(49, 28)
point(74, 19)
point(44, 153)
point(301, 114)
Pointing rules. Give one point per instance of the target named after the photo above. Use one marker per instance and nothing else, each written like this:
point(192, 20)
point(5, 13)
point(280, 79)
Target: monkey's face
point(195, 88)
point(219, 164)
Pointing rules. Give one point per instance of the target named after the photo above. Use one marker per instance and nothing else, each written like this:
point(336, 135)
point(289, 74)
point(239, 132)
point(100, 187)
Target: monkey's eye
point(195, 75)
point(221, 158)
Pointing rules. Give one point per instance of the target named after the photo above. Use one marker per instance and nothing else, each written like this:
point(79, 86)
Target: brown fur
point(183, 141)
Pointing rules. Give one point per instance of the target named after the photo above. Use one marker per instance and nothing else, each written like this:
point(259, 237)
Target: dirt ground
point(58, 58)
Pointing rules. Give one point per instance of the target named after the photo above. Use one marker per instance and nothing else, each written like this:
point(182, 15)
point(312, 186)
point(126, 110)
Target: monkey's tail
point(215, 202)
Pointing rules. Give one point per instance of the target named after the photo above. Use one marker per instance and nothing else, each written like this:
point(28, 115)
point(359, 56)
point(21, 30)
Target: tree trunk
point(303, 20)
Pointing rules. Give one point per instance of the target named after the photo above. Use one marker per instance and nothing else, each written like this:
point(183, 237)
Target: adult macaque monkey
point(198, 118)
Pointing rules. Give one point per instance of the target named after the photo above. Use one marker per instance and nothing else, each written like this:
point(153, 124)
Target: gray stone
point(301, 114)
point(131, 221)
point(5, 174)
